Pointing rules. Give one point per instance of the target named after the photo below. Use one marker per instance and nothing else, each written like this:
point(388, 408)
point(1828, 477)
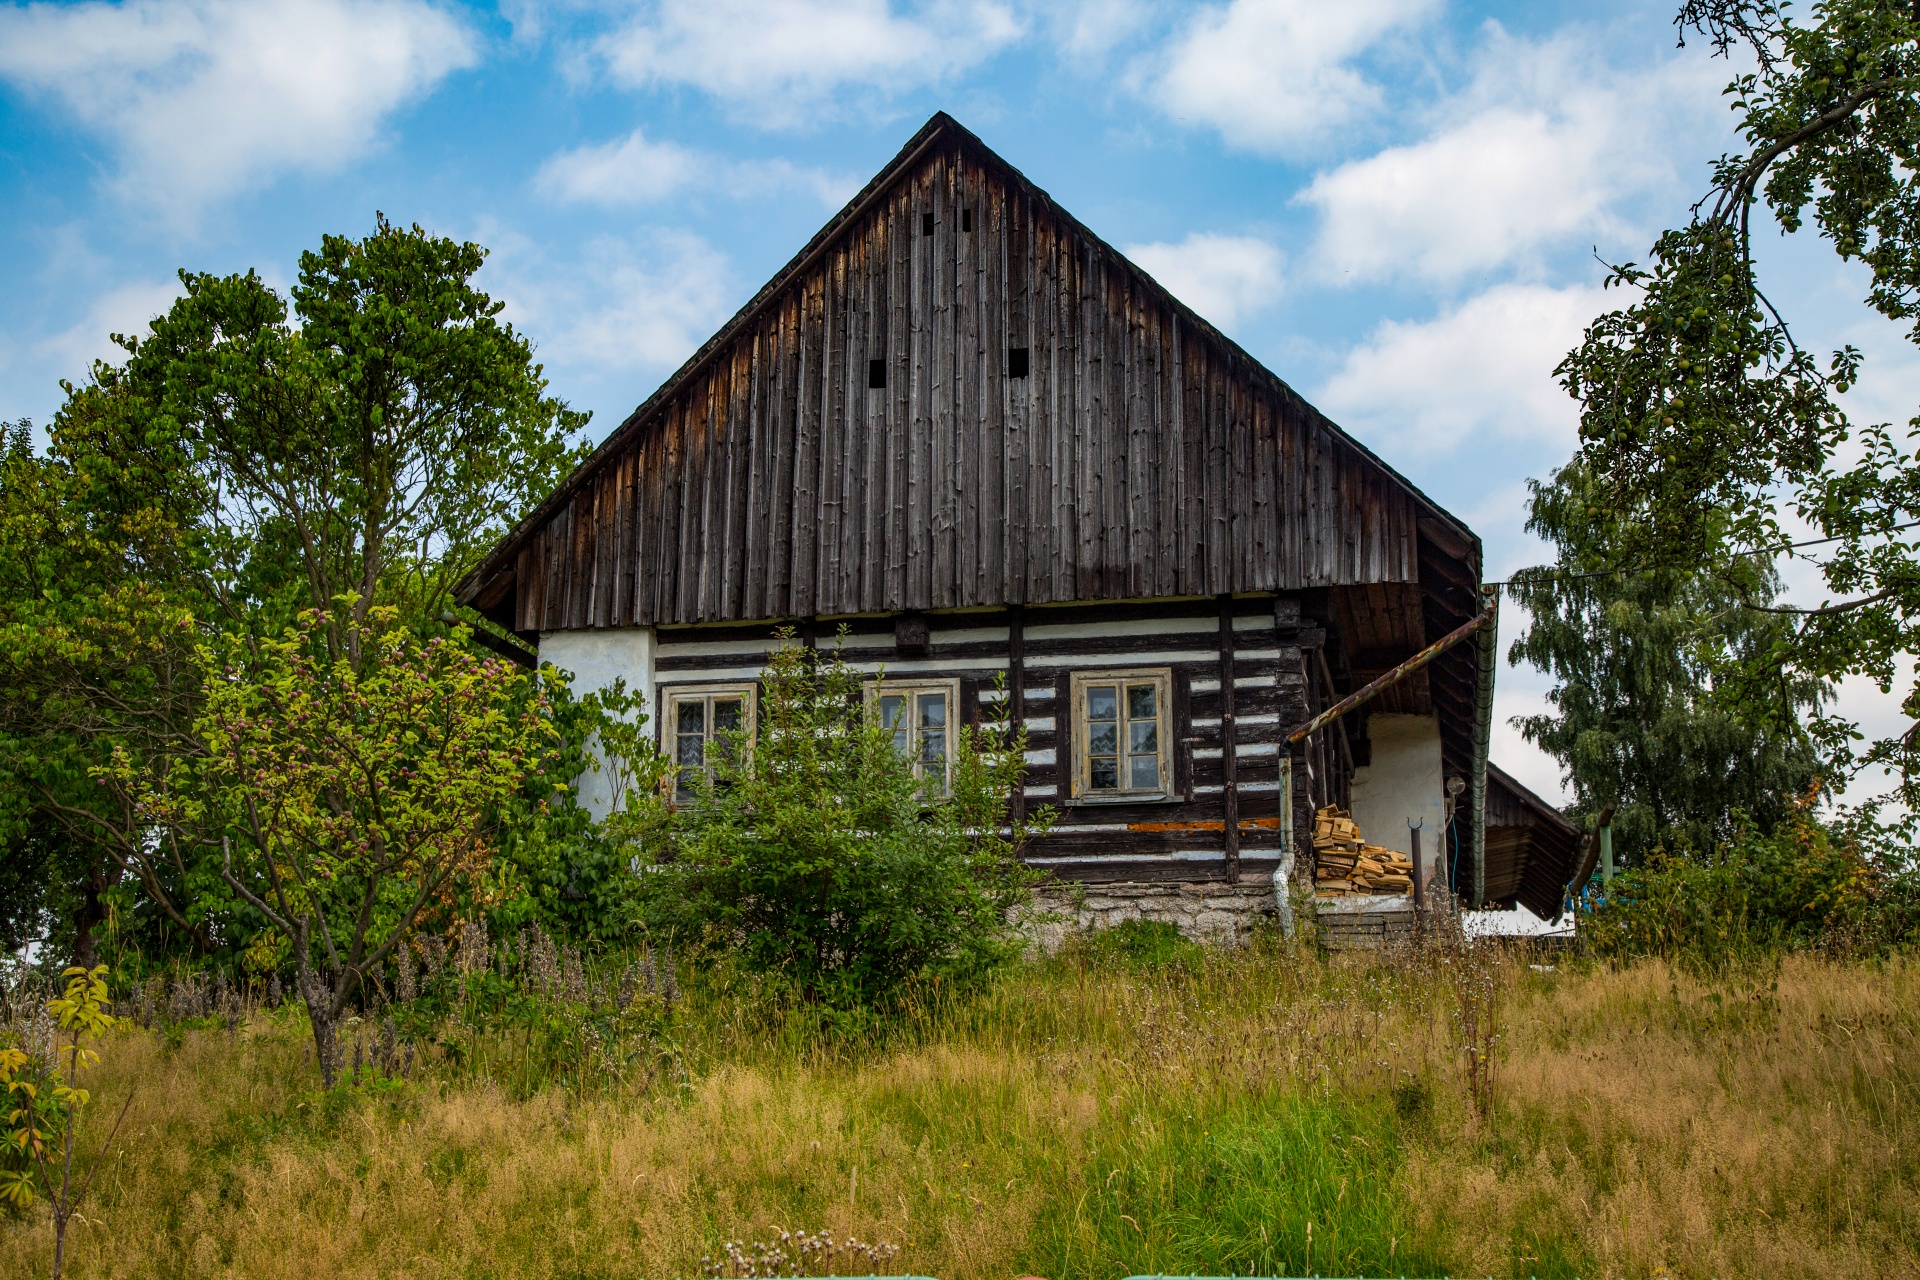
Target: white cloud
point(1463, 201)
point(635, 170)
point(1481, 369)
point(1224, 278)
point(32, 366)
point(127, 309)
point(629, 171)
point(203, 97)
point(1522, 691)
point(777, 61)
point(642, 304)
point(1277, 75)
point(1087, 31)
point(1544, 148)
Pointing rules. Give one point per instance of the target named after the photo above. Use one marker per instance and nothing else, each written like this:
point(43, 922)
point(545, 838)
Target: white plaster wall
point(595, 659)
point(1403, 784)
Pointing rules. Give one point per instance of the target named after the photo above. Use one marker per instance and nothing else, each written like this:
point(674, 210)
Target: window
point(966, 220)
point(1017, 362)
point(876, 375)
point(921, 717)
point(696, 718)
point(1122, 734)
point(926, 224)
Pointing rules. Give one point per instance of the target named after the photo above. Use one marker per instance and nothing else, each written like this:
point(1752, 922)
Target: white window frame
point(877, 689)
point(671, 696)
point(1081, 782)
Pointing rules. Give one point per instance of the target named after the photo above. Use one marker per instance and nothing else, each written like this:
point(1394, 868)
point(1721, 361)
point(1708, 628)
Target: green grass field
point(1092, 1115)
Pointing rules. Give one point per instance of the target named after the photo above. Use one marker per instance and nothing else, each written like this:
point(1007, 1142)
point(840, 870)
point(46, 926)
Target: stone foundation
point(1207, 912)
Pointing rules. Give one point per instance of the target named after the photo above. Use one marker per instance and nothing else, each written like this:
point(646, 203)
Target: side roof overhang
point(1533, 850)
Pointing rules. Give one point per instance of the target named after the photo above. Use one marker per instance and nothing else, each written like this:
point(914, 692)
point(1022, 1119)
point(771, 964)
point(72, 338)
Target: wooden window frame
point(878, 688)
point(672, 695)
point(1080, 779)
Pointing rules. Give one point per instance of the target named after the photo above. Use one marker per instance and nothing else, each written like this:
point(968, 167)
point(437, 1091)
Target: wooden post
point(1413, 835)
point(1482, 735)
point(1017, 696)
point(1229, 771)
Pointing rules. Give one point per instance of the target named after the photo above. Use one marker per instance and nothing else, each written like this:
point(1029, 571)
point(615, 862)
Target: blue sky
point(1396, 204)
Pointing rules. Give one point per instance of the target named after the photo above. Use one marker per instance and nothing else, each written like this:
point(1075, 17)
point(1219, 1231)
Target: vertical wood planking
point(900, 295)
point(964, 483)
point(1139, 457)
point(943, 358)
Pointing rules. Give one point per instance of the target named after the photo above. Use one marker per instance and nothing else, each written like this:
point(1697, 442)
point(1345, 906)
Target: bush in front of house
point(1850, 886)
point(814, 852)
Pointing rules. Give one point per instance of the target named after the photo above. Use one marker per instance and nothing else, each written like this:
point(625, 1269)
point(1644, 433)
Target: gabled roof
point(939, 131)
point(1533, 850)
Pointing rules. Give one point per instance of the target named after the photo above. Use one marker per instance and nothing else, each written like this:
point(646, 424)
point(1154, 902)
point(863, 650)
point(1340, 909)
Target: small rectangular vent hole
point(926, 224)
point(966, 220)
point(1016, 362)
point(876, 374)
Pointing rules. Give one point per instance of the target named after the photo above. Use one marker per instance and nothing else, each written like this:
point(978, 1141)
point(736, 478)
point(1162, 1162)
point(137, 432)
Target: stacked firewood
point(1345, 864)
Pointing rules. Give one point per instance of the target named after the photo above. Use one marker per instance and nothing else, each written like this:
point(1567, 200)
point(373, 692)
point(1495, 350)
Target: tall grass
point(1089, 1116)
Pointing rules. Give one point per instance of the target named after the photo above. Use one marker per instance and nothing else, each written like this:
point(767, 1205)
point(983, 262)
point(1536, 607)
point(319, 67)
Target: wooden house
point(968, 431)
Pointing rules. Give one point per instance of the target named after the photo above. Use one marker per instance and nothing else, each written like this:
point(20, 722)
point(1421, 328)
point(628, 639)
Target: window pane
point(1104, 773)
point(690, 750)
point(692, 717)
point(933, 747)
point(1101, 739)
point(1146, 773)
point(1100, 702)
point(893, 715)
point(1143, 735)
point(1140, 702)
point(728, 714)
point(933, 710)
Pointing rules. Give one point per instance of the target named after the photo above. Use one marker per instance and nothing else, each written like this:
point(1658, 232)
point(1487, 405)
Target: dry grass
point(1262, 1111)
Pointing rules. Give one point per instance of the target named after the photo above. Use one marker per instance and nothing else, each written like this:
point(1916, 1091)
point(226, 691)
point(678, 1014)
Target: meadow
point(1096, 1114)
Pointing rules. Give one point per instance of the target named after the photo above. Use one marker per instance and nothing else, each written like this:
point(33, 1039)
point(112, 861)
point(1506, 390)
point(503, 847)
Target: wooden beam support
point(1017, 696)
point(1400, 672)
point(1229, 740)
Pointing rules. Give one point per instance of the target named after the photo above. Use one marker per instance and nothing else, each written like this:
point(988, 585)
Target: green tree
point(573, 873)
point(1709, 427)
point(813, 851)
point(357, 794)
point(1641, 721)
point(371, 440)
point(101, 565)
point(252, 457)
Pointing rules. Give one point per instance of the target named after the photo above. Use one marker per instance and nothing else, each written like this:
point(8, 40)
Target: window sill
point(1132, 797)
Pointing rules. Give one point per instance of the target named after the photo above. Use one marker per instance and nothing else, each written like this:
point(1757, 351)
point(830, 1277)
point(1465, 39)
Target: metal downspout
point(1283, 871)
point(1482, 737)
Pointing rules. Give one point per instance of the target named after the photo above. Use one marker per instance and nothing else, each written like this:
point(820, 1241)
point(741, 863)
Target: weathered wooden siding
point(1143, 455)
point(1178, 839)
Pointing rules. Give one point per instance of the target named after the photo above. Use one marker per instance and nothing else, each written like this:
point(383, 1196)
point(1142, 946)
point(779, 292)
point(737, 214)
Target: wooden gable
point(956, 396)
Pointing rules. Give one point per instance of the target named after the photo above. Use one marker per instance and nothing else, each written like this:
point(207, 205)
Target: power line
point(1791, 546)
